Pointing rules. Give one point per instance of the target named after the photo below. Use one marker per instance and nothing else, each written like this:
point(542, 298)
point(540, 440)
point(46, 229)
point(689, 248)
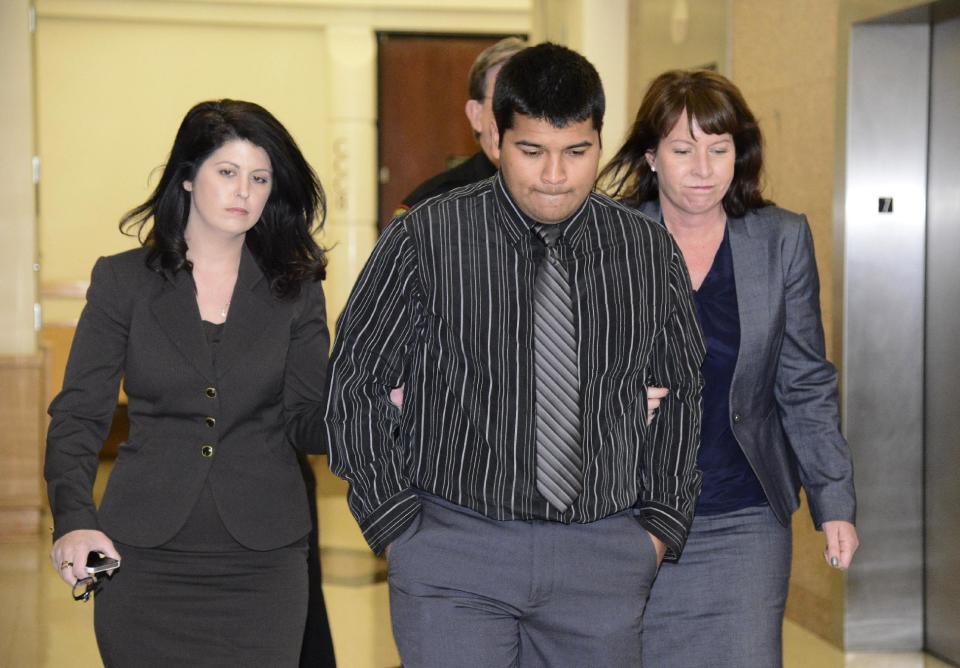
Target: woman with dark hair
point(217, 327)
point(693, 160)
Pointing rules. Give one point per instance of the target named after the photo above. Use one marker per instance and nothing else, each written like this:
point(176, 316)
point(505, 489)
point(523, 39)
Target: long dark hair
point(281, 241)
point(718, 107)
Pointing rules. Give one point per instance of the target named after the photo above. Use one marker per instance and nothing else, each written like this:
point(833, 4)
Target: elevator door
point(942, 377)
point(901, 361)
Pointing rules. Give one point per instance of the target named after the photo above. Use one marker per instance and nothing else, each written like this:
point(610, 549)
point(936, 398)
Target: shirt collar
point(519, 226)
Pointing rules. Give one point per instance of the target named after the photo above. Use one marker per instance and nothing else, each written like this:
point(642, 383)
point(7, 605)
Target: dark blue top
point(728, 481)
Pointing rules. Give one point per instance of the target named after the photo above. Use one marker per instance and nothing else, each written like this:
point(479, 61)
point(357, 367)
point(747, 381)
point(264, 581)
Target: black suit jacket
point(233, 426)
point(784, 406)
point(477, 168)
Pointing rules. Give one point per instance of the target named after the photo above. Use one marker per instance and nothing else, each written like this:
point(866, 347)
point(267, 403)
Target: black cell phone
point(98, 562)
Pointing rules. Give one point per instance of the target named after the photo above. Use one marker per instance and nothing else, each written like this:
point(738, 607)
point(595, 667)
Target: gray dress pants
point(469, 591)
point(721, 605)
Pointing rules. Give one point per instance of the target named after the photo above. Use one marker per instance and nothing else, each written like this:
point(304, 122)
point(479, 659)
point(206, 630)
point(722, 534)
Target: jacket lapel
point(651, 209)
point(178, 315)
point(252, 313)
point(751, 268)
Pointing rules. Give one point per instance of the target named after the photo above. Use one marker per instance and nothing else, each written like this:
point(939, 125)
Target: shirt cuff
point(388, 521)
point(667, 524)
point(836, 502)
point(72, 521)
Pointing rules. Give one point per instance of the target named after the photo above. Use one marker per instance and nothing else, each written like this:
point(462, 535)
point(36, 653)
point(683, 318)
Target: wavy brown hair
point(718, 107)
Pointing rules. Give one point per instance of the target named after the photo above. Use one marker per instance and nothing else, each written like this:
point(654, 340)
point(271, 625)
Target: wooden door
point(422, 91)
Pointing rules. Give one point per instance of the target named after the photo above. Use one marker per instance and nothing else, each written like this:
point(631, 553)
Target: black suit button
point(211, 422)
point(207, 451)
point(211, 392)
point(737, 418)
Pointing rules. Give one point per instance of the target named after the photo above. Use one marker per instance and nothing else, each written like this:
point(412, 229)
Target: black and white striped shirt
point(444, 307)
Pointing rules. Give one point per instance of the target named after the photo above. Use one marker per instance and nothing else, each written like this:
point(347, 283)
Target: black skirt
point(203, 600)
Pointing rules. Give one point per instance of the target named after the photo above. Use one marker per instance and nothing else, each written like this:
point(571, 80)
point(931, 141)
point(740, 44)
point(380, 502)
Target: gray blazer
point(784, 407)
point(232, 426)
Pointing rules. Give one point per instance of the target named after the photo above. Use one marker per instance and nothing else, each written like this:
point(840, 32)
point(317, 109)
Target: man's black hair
point(548, 82)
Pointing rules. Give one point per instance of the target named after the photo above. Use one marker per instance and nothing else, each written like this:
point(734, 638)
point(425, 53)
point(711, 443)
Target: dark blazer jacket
point(784, 408)
point(477, 168)
point(233, 426)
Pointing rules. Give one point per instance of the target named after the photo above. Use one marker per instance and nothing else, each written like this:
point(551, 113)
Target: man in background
point(479, 110)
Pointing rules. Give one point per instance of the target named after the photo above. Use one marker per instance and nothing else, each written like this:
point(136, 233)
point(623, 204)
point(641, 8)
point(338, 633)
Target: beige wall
point(111, 95)
point(21, 366)
point(114, 78)
point(784, 60)
point(789, 59)
point(17, 225)
point(667, 34)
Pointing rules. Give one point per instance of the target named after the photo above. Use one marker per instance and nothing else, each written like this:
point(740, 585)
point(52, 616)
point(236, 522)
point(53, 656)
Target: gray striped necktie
point(559, 450)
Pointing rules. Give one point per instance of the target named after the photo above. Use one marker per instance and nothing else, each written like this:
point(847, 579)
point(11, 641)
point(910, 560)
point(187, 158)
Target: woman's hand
point(842, 542)
point(69, 553)
point(654, 396)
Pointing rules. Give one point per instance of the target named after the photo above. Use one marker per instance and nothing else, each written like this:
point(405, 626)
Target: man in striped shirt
point(524, 511)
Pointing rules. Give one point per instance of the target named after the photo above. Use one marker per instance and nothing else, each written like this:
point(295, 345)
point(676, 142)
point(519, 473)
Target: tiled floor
point(41, 626)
